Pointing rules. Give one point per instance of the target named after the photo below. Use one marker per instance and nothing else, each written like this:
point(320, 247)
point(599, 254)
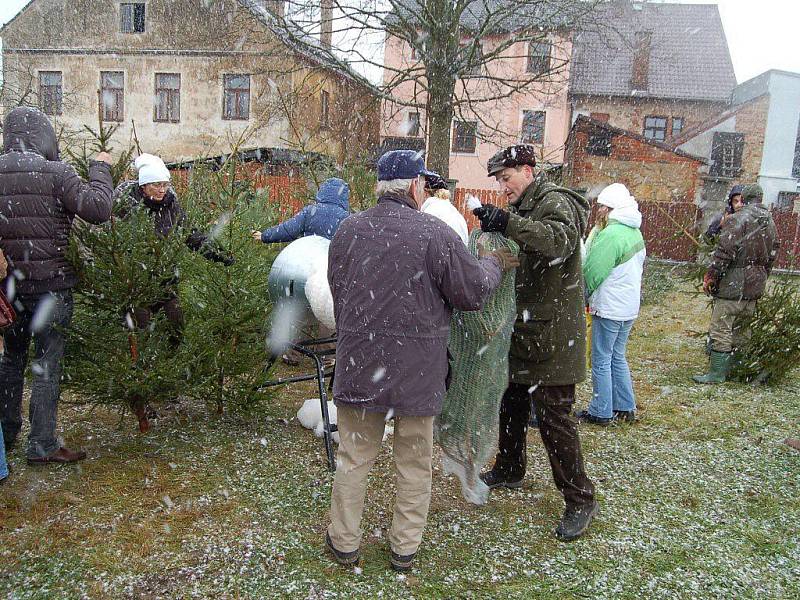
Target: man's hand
point(256, 235)
point(709, 283)
point(504, 256)
point(104, 157)
point(492, 218)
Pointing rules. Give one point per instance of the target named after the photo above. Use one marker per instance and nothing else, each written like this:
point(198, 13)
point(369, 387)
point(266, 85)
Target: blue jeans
point(42, 318)
point(3, 464)
point(612, 388)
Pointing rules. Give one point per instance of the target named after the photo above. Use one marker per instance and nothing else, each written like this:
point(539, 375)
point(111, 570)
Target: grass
point(700, 498)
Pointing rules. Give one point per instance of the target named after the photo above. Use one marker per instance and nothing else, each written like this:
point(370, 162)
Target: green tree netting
point(479, 342)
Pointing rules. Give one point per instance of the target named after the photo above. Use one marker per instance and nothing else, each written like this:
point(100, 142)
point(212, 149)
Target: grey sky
point(759, 32)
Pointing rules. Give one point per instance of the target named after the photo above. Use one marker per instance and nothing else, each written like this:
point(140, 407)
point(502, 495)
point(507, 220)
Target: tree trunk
point(440, 117)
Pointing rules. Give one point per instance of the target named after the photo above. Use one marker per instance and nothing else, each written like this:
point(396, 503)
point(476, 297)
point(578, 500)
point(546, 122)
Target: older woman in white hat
point(613, 269)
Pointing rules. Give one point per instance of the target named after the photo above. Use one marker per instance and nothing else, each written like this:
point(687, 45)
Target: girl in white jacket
point(439, 205)
point(612, 270)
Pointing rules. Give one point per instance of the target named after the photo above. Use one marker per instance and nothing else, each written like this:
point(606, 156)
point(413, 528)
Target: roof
point(14, 18)
point(584, 121)
point(712, 121)
point(263, 155)
point(499, 16)
point(300, 42)
point(689, 57)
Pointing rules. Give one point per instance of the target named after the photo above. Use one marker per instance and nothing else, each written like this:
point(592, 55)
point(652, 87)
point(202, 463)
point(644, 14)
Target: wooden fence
point(669, 228)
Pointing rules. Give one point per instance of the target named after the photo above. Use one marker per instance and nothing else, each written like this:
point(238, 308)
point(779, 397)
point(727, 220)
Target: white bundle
point(318, 294)
point(310, 417)
point(473, 203)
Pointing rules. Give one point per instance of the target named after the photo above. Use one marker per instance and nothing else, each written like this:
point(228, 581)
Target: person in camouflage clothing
point(736, 278)
point(548, 346)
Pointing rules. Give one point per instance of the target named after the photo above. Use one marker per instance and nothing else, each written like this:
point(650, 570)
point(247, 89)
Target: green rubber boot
point(720, 368)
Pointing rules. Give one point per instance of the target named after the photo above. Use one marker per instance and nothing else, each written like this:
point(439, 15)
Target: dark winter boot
point(497, 478)
point(720, 367)
point(576, 521)
point(402, 563)
point(346, 559)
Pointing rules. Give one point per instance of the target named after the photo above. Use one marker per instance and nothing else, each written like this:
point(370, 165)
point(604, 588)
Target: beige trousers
point(728, 330)
point(360, 435)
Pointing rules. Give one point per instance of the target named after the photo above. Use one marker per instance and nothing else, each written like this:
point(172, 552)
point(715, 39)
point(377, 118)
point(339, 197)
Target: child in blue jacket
point(322, 218)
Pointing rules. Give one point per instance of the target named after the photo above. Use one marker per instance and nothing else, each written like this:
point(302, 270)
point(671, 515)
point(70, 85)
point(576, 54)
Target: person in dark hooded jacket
point(39, 198)
point(322, 218)
point(733, 206)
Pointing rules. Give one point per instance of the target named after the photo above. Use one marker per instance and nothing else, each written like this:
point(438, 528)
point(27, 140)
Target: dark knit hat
point(434, 181)
point(513, 156)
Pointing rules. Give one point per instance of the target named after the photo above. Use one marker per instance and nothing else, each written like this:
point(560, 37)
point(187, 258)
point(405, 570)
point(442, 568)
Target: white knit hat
point(151, 169)
point(616, 195)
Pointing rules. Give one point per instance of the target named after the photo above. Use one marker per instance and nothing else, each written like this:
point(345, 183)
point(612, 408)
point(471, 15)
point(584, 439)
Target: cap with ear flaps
point(513, 156)
point(151, 169)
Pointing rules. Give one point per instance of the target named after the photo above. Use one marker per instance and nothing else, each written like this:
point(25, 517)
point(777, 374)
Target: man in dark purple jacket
point(395, 274)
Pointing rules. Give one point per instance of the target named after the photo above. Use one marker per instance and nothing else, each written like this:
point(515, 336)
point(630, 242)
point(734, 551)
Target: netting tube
point(467, 429)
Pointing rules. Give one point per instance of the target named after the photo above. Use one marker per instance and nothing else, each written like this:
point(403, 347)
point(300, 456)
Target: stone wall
point(652, 172)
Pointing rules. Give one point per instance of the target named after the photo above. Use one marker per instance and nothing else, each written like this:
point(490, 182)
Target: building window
point(168, 98)
point(532, 127)
point(112, 95)
point(599, 143)
point(677, 126)
point(413, 124)
point(655, 128)
point(236, 97)
point(325, 109)
point(538, 58)
point(726, 154)
point(131, 17)
point(465, 136)
point(50, 93)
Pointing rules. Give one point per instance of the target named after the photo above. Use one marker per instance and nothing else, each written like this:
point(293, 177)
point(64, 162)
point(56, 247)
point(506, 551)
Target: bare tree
point(462, 57)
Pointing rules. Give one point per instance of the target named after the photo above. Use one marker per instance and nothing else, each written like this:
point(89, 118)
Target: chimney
point(276, 7)
point(641, 61)
point(326, 23)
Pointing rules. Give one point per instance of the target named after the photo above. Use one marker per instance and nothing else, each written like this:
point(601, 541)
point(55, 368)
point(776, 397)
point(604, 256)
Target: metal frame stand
point(307, 348)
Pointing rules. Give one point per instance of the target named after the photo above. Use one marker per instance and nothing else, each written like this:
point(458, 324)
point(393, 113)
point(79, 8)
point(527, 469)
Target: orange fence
point(666, 226)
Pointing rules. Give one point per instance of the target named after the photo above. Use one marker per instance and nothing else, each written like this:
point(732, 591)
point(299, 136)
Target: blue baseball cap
point(401, 164)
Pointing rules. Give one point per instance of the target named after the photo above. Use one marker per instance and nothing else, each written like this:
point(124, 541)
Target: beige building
point(187, 78)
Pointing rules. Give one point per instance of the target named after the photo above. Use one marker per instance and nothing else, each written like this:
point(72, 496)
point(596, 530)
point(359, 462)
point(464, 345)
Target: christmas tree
point(125, 265)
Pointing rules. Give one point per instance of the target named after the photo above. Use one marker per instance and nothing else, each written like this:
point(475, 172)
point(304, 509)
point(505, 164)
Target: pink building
point(539, 114)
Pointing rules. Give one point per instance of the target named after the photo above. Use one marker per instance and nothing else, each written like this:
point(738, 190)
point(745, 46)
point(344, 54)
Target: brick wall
point(751, 120)
point(629, 113)
point(651, 172)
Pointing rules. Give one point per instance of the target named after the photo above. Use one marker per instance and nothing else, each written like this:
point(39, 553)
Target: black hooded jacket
point(39, 198)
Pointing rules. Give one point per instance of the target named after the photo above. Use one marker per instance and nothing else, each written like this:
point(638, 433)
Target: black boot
point(576, 521)
point(496, 478)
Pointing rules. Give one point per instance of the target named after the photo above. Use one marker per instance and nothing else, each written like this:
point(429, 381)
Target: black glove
point(492, 218)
